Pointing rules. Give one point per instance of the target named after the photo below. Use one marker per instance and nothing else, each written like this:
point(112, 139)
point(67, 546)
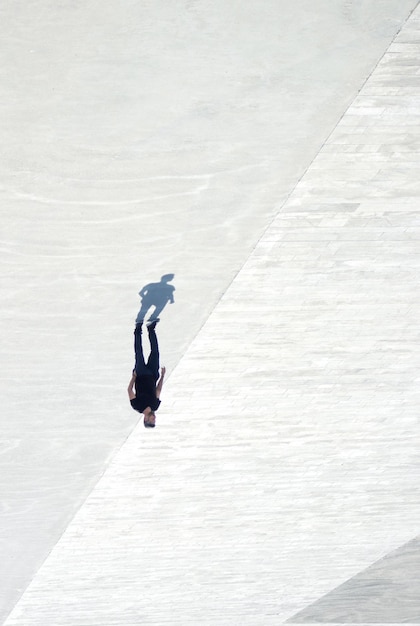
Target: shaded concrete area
point(388, 592)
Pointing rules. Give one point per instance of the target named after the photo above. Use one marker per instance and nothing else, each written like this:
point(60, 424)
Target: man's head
point(149, 418)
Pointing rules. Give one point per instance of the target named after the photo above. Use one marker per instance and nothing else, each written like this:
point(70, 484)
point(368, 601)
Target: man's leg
point(139, 366)
point(153, 360)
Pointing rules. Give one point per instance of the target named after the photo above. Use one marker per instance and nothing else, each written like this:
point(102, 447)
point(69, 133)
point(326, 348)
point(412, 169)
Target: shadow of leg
point(155, 314)
point(142, 313)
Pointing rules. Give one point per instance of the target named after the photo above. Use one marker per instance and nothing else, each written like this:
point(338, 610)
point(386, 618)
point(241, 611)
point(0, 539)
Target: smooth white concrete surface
point(285, 461)
point(164, 138)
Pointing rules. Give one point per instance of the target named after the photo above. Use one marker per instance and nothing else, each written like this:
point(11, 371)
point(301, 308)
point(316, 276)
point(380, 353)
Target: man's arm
point(160, 382)
point(130, 391)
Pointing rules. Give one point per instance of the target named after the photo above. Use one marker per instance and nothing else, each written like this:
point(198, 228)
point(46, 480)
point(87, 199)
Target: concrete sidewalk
point(285, 461)
point(139, 139)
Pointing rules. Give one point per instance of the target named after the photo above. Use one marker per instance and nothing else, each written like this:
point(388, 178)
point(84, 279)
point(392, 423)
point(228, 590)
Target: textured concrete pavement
point(285, 463)
point(138, 139)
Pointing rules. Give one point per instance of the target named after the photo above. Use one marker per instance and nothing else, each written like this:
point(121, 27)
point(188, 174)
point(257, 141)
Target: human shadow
point(156, 295)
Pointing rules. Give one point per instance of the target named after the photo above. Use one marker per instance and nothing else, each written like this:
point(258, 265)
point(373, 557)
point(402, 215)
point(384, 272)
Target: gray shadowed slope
point(387, 592)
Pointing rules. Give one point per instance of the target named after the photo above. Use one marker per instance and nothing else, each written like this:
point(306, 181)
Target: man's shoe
point(151, 324)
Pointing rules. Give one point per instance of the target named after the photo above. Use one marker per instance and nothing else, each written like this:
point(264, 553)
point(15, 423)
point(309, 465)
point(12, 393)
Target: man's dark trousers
point(151, 368)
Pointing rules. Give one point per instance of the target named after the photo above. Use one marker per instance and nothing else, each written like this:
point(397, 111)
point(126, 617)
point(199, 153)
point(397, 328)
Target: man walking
point(145, 379)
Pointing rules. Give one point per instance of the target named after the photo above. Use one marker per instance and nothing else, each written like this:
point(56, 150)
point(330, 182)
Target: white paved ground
point(285, 465)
